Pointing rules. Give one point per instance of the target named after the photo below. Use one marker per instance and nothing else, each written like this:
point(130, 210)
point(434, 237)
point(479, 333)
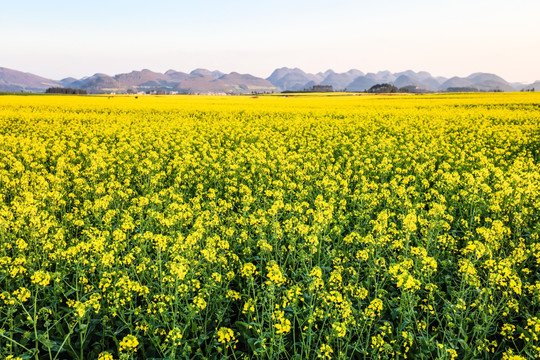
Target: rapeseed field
point(305, 227)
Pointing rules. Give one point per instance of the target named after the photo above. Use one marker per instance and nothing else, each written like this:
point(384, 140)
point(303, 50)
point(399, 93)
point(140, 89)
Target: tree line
point(67, 91)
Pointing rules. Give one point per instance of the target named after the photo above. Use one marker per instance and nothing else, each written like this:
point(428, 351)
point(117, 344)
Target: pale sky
point(58, 38)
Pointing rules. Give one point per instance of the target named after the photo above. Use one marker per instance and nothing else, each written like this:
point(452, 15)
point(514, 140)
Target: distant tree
point(383, 88)
point(68, 91)
point(462, 89)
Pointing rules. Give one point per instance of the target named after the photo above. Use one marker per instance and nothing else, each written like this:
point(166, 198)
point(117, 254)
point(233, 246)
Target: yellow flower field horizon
point(270, 227)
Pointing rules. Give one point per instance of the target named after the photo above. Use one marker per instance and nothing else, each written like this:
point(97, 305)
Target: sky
point(58, 38)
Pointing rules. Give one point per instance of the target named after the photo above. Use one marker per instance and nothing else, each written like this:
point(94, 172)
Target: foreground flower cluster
point(272, 228)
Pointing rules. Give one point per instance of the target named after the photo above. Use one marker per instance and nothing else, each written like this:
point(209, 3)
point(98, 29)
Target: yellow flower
point(231, 294)
point(225, 335)
point(281, 324)
point(248, 270)
point(174, 336)
point(41, 277)
point(129, 343)
point(509, 355)
point(22, 294)
point(325, 352)
point(374, 309)
point(199, 302)
point(105, 356)
point(216, 277)
point(340, 329)
point(453, 353)
point(507, 330)
point(275, 275)
point(249, 306)
point(409, 223)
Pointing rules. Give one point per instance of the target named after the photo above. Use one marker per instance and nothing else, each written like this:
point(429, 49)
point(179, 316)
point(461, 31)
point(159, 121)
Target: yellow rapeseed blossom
point(105, 356)
point(325, 352)
point(129, 343)
point(282, 325)
point(374, 308)
point(272, 220)
point(22, 294)
point(225, 335)
point(509, 355)
point(275, 276)
point(248, 270)
point(42, 278)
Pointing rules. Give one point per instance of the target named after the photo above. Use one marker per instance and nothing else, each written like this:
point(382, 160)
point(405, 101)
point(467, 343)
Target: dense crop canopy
point(301, 227)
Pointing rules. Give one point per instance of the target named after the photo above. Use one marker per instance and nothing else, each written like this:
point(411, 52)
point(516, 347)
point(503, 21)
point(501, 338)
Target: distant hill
point(433, 83)
point(67, 82)
point(489, 82)
point(406, 80)
point(198, 81)
point(176, 75)
point(135, 78)
point(418, 76)
point(245, 82)
point(535, 86)
point(233, 83)
point(324, 74)
point(98, 83)
point(292, 79)
point(13, 80)
point(201, 81)
point(382, 76)
point(421, 79)
point(479, 81)
point(456, 82)
point(355, 80)
point(362, 83)
point(341, 81)
point(204, 72)
point(296, 79)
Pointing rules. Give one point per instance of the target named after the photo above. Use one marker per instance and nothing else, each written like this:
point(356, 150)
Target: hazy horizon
point(61, 39)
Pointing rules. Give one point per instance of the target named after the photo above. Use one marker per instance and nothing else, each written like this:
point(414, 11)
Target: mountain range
point(202, 81)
